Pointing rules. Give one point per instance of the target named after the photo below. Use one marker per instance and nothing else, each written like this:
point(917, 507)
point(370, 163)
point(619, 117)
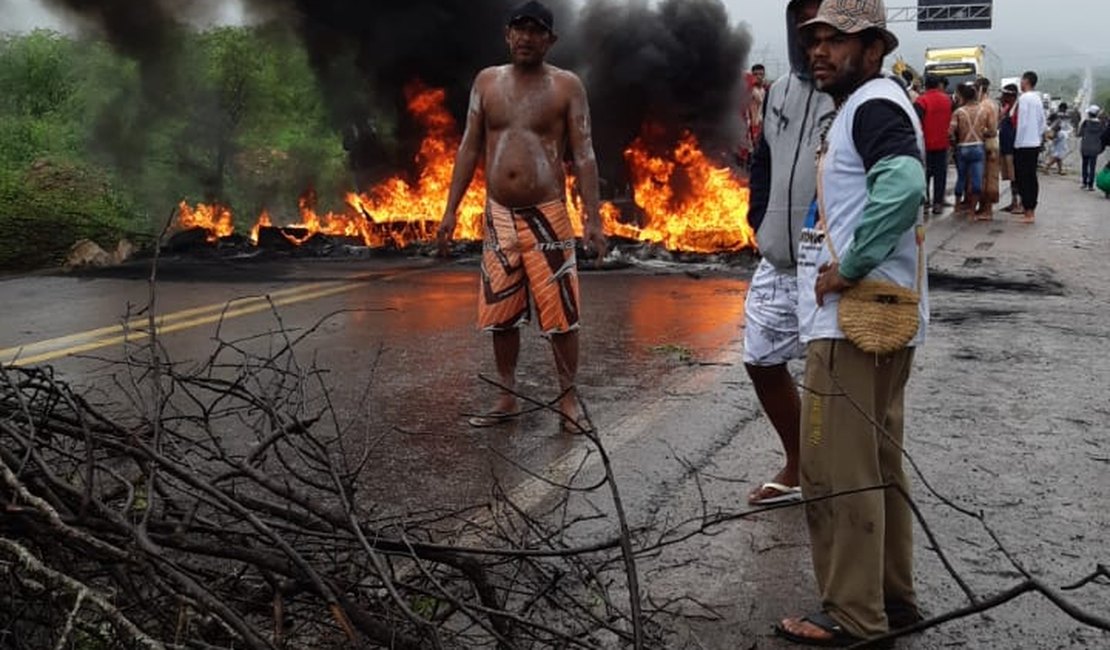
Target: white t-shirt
point(1030, 121)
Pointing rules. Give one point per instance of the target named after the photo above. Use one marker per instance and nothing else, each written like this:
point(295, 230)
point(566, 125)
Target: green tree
point(51, 194)
point(37, 73)
point(87, 151)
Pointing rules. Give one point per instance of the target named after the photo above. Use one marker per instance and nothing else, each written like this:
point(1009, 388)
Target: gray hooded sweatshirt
point(784, 168)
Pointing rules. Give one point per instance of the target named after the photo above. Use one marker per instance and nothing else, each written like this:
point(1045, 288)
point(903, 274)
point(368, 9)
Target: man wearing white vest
point(871, 179)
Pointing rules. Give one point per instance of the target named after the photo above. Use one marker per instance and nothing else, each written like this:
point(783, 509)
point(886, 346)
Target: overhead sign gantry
point(938, 15)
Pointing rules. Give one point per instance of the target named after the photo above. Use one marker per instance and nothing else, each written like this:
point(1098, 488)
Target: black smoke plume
point(144, 32)
point(138, 29)
point(675, 65)
point(671, 68)
point(366, 53)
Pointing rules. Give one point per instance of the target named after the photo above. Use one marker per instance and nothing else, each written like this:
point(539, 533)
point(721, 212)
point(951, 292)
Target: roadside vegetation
point(93, 146)
point(1066, 85)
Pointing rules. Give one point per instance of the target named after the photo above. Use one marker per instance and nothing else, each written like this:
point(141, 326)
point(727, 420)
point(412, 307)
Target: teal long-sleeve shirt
point(895, 187)
point(888, 143)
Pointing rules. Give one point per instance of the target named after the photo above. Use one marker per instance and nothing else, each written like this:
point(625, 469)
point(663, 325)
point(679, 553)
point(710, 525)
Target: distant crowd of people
point(981, 135)
point(1004, 139)
point(1091, 128)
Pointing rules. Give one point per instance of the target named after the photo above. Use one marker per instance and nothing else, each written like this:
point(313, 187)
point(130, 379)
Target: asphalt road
point(396, 337)
point(1007, 408)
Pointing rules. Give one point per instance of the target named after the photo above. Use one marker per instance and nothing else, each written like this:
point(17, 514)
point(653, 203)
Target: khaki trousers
point(862, 543)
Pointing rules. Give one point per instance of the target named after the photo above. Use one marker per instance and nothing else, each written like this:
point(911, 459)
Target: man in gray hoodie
point(783, 187)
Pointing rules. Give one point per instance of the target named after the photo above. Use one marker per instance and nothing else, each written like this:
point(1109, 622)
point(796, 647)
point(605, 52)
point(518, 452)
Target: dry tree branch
point(262, 545)
point(625, 536)
point(28, 562)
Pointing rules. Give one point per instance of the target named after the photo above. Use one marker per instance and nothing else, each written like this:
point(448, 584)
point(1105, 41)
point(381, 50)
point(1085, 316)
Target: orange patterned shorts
point(528, 252)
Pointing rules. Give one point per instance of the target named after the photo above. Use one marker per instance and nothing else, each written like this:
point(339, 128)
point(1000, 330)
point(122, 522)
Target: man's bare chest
point(540, 110)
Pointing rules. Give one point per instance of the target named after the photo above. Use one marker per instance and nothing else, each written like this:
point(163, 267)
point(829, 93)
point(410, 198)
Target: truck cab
point(962, 64)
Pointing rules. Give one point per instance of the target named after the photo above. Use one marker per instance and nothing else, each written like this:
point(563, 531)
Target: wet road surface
point(400, 350)
point(1007, 412)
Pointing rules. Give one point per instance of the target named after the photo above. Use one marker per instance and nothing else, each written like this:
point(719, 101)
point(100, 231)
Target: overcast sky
point(1043, 36)
point(24, 15)
point(1026, 34)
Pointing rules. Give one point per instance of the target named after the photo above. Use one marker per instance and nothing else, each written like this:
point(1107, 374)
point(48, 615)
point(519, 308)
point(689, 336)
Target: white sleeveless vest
point(845, 193)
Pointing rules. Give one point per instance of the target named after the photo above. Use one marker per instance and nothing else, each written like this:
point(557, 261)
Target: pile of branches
point(221, 506)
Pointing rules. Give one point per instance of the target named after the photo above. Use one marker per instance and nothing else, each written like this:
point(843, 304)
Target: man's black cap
point(533, 10)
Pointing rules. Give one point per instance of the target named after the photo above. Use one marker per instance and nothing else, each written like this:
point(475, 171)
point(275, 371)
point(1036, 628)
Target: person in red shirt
point(934, 106)
point(753, 113)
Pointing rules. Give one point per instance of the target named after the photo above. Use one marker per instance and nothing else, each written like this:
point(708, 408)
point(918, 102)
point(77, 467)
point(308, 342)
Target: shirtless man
point(521, 118)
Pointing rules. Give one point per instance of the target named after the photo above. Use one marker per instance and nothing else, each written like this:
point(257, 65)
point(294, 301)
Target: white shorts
point(771, 317)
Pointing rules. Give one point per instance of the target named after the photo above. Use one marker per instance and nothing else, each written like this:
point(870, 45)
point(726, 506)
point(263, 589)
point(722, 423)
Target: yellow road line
point(196, 316)
point(136, 323)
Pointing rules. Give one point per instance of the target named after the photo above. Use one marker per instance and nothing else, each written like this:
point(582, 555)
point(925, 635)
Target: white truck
point(960, 64)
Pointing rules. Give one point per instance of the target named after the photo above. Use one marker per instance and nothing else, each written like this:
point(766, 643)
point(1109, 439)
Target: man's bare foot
point(806, 630)
point(1029, 217)
point(506, 404)
point(773, 494)
point(573, 420)
point(504, 410)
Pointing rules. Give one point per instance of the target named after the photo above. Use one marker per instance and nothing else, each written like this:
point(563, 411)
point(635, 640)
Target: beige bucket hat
point(853, 17)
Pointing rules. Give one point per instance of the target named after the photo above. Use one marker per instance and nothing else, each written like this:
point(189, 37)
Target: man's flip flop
point(840, 637)
point(491, 419)
point(770, 494)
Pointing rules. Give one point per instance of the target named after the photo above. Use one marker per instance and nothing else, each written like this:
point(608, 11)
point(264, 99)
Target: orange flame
point(709, 215)
point(420, 205)
point(214, 218)
point(263, 222)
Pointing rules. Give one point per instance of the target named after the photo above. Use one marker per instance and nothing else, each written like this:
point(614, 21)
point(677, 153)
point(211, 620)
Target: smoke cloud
point(365, 54)
point(143, 30)
point(675, 65)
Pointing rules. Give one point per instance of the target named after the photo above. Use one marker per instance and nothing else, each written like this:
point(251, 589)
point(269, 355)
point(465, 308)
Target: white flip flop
point(784, 494)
